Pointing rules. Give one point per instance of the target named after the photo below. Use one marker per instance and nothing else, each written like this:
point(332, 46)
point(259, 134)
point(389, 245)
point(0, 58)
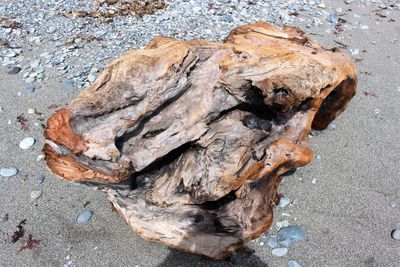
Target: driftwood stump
point(190, 138)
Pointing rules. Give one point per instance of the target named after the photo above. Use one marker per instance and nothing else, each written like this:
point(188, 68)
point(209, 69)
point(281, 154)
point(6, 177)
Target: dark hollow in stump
point(190, 138)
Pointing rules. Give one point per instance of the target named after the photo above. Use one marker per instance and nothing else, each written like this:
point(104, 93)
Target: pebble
point(8, 172)
point(333, 17)
point(91, 78)
point(31, 111)
point(354, 51)
point(40, 179)
point(396, 234)
point(14, 70)
point(284, 201)
point(68, 84)
point(40, 158)
point(85, 216)
point(30, 89)
point(364, 27)
point(30, 79)
point(272, 241)
point(27, 143)
point(281, 224)
point(279, 252)
point(35, 64)
point(348, 1)
point(36, 194)
point(288, 235)
point(293, 263)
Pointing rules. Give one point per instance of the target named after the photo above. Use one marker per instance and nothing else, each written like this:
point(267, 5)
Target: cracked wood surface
point(190, 138)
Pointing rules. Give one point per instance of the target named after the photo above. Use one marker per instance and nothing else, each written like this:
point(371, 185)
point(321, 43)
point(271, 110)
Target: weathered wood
point(190, 138)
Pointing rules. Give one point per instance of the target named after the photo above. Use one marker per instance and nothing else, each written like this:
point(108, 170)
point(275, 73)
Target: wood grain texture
point(190, 138)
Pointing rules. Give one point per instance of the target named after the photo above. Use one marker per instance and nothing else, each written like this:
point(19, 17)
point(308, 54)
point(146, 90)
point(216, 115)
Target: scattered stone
point(348, 1)
point(8, 172)
point(396, 234)
point(40, 158)
point(14, 70)
point(31, 111)
point(27, 143)
point(85, 216)
point(354, 51)
point(293, 263)
point(40, 179)
point(68, 84)
point(5, 218)
point(314, 180)
point(30, 89)
point(36, 194)
point(261, 243)
point(332, 126)
point(281, 224)
point(284, 201)
point(35, 64)
point(30, 79)
point(364, 27)
point(272, 241)
point(91, 78)
point(288, 235)
point(279, 252)
point(333, 17)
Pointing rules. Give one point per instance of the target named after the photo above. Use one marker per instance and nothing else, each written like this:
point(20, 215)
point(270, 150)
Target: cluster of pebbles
point(71, 41)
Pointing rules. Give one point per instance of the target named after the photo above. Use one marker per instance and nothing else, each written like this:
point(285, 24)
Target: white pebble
point(27, 143)
point(279, 252)
point(36, 194)
point(8, 172)
point(396, 234)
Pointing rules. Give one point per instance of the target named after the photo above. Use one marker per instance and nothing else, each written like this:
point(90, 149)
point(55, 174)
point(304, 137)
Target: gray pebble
point(14, 70)
point(348, 1)
point(27, 143)
point(293, 263)
point(40, 179)
point(396, 234)
point(36, 194)
point(91, 78)
point(279, 252)
point(288, 235)
point(392, 204)
point(8, 172)
point(30, 80)
point(85, 216)
point(284, 201)
point(30, 89)
point(35, 64)
point(272, 241)
point(333, 17)
point(68, 84)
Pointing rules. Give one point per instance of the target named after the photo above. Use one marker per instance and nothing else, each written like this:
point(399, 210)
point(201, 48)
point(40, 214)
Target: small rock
point(31, 111)
point(85, 216)
point(281, 224)
point(392, 204)
point(36, 194)
point(396, 234)
point(8, 172)
point(30, 80)
point(333, 17)
point(14, 70)
point(314, 180)
point(27, 143)
point(261, 243)
point(35, 64)
point(272, 241)
point(364, 27)
point(288, 235)
point(348, 1)
point(40, 179)
point(30, 89)
point(284, 201)
point(354, 51)
point(40, 157)
point(279, 252)
point(91, 78)
point(293, 263)
point(68, 84)
point(332, 126)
